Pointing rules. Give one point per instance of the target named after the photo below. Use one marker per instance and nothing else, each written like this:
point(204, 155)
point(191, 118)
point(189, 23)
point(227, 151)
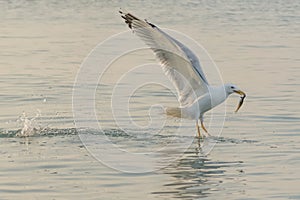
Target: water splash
point(30, 125)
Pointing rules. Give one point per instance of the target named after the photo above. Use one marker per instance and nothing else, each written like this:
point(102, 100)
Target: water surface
point(255, 44)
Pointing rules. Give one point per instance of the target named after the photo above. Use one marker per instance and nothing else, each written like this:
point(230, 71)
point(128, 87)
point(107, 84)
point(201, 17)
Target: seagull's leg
point(203, 127)
point(198, 129)
point(198, 148)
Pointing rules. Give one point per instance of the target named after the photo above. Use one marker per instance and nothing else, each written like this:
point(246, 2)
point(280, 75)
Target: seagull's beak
point(240, 92)
point(243, 96)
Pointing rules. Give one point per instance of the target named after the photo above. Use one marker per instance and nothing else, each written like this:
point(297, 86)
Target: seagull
point(195, 95)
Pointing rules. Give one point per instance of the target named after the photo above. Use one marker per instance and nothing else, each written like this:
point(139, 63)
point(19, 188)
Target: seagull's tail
point(174, 112)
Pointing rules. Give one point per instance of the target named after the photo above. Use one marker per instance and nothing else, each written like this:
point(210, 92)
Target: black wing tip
point(152, 25)
point(129, 19)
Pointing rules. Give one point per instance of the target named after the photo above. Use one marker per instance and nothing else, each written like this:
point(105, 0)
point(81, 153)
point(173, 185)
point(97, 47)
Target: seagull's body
point(201, 105)
point(182, 67)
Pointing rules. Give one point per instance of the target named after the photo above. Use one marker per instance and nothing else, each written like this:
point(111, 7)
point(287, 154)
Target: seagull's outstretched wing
point(179, 63)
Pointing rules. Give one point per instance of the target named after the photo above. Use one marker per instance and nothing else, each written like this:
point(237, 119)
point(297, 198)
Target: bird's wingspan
point(179, 63)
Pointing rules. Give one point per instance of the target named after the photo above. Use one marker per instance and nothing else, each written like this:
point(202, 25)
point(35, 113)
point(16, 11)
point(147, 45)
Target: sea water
point(254, 44)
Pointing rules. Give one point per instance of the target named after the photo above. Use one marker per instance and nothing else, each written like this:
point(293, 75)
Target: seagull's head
point(231, 88)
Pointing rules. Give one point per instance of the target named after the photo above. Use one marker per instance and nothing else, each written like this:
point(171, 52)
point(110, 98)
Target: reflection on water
point(195, 176)
point(255, 45)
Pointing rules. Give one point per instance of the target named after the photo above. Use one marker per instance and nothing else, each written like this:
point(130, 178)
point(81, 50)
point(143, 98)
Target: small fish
point(241, 102)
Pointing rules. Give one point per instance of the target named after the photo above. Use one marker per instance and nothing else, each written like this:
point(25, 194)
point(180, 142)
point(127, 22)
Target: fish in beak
point(243, 96)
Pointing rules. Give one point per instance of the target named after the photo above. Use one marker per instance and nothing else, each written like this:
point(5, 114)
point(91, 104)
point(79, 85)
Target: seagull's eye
point(232, 87)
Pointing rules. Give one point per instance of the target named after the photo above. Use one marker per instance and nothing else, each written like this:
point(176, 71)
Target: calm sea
point(254, 44)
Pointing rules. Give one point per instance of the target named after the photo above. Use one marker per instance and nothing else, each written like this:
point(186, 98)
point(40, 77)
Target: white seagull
point(182, 67)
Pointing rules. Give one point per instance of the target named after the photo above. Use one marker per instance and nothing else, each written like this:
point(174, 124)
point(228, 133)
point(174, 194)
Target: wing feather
point(178, 62)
